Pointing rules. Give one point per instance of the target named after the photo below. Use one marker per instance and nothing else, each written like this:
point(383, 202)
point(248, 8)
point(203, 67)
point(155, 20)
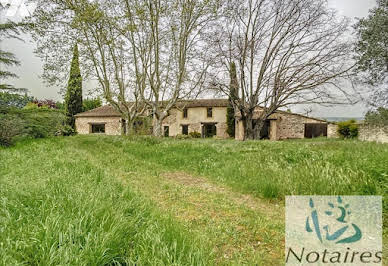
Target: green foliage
point(60, 105)
point(348, 129)
point(90, 104)
point(378, 117)
point(29, 123)
point(105, 200)
point(34, 106)
point(142, 126)
point(372, 46)
point(195, 135)
point(8, 29)
point(78, 213)
point(14, 100)
point(73, 99)
point(10, 128)
point(65, 130)
point(181, 136)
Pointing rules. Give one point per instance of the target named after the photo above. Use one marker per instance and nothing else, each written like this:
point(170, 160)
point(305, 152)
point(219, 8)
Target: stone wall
point(291, 126)
point(195, 117)
point(373, 133)
point(112, 124)
point(288, 126)
point(332, 130)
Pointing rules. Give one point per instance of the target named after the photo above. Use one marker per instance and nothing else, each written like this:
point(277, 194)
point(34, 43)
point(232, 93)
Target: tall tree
point(372, 52)
point(8, 29)
point(287, 52)
point(167, 42)
point(73, 99)
point(143, 53)
point(233, 96)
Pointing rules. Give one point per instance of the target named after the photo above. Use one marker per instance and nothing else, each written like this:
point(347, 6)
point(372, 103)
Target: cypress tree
point(73, 99)
point(233, 94)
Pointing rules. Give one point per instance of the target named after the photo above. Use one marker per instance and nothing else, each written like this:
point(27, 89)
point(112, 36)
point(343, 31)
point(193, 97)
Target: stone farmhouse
point(208, 117)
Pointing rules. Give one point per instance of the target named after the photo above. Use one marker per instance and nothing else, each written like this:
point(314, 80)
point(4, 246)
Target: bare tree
point(143, 53)
point(170, 59)
point(102, 26)
point(107, 56)
point(287, 52)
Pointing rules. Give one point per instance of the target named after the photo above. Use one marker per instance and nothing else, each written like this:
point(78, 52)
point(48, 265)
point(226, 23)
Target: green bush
point(14, 100)
point(181, 136)
point(348, 129)
point(28, 123)
point(65, 130)
point(195, 135)
point(10, 128)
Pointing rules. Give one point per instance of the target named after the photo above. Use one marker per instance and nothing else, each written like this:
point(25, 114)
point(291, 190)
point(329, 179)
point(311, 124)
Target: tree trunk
point(129, 127)
point(157, 127)
point(247, 124)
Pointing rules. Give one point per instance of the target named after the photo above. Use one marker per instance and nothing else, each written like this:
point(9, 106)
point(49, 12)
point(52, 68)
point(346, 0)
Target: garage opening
point(315, 130)
point(265, 130)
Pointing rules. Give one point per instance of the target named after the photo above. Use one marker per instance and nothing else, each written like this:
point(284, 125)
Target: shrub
point(49, 104)
point(28, 123)
point(348, 129)
point(10, 127)
point(65, 130)
point(181, 136)
point(14, 100)
point(195, 135)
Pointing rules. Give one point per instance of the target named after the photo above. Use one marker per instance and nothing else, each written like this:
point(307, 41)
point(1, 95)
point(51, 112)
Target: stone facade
point(282, 125)
point(112, 125)
point(373, 133)
point(332, 130)
point(196, 118)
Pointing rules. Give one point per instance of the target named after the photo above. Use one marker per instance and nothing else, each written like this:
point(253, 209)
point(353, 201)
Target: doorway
point(209, 130)
point(166, 130)
point(265, 130)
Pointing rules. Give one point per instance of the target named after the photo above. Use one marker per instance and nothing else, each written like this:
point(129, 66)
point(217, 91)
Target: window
point(185, 130)
point(98, 128)
point(210, 112)
point(166, 131)
point(185, 113)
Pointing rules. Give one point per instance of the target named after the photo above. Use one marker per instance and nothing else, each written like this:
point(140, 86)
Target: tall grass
point(57, 209)
point(273, 169)
point(60, 205)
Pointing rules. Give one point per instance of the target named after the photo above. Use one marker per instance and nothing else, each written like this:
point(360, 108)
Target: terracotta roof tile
point(103, 111)
point(109, 111)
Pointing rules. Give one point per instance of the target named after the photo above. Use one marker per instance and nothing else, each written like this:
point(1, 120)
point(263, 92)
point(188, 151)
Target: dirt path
point(242, 229)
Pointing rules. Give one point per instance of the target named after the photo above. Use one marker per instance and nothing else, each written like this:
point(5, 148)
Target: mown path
point(242, 229)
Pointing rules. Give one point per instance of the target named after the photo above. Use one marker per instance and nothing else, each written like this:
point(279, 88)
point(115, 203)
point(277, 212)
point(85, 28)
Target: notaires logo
point(328, 230)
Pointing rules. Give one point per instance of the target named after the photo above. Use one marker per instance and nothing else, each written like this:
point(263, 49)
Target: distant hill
point(339, 119)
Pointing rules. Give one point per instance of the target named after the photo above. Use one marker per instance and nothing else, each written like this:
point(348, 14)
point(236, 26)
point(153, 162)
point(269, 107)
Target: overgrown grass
point(104, 200)
point(57, 209)
point(274, 169)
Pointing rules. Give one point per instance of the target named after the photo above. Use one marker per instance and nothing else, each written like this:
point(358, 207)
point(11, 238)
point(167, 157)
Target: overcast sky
point(31, 66)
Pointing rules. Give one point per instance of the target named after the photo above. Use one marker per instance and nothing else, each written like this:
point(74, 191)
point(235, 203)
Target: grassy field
point(95, 200)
